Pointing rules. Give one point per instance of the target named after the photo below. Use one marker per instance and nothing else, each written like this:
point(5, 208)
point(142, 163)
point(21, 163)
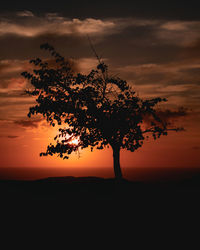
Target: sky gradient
point(156, 48)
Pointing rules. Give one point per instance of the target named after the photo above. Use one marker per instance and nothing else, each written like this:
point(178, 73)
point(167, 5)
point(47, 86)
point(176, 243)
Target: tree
point(98, 109)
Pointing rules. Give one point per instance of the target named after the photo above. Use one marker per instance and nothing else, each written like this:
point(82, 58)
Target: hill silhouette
point(86, 190)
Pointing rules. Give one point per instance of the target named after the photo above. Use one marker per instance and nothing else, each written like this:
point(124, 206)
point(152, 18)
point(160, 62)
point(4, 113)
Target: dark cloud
point(177, 9)
point(168, 115)
point(193, 71)
point(14, 94)
point(10, 136)
point(190, 52)
point(14, 104)
point(19, 47)
point(28, 123)
point(124, 41)
point(73, 64)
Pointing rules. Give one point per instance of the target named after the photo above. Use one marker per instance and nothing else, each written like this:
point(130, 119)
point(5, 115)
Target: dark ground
point(89, 205)
point(93, 190)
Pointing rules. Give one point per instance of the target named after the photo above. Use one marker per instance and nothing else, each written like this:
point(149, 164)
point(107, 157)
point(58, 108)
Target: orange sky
point(147, 57)
point(175, 150)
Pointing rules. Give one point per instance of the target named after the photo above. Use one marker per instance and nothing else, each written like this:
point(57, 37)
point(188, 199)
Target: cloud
point(180, 33)
point(172, 114)
point(28, 123)
point(13, 83)
point(54, 24)
point(10, 136)
point(85, 65)
point(12, 66)
point(10, 78)
point(25, 13)
point(16, 93)
point(26, 24)
point(191, 53)
point(171, 77)
point(15, 103)
point(168, 116)
point(135, 40)
point(176, 25)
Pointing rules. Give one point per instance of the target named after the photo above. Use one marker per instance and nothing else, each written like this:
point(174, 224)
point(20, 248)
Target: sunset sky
point(154, 45)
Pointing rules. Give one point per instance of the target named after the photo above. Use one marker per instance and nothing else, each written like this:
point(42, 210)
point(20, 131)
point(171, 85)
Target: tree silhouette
point(98, 109)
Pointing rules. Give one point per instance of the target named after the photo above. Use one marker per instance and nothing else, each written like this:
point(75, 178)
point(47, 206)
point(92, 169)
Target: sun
point(75, 141)
point(72, 140)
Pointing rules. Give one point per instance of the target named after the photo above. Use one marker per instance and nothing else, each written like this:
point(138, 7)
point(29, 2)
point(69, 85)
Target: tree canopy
point(98, 109)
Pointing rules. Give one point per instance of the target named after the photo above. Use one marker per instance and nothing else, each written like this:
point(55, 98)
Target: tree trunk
point(116, 162)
